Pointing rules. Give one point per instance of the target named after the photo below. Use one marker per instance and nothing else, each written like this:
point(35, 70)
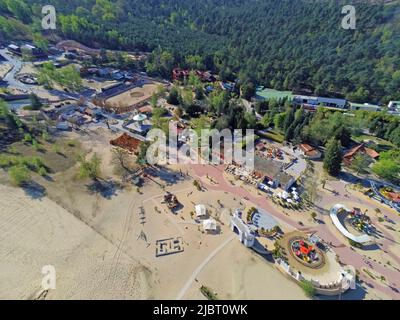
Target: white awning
point(210, 224)
point(200, 210)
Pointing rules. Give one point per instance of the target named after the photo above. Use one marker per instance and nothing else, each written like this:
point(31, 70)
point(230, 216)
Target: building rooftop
point(309, 150)
point(267, 167)
point(263, 219)
point(283, 178)
point(360, 148)
point(126, 142)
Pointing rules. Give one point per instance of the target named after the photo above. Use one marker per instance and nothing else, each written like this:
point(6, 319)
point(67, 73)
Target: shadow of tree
point(34, 190)
point(370, 247)
point(166, 174)
point(106, 188)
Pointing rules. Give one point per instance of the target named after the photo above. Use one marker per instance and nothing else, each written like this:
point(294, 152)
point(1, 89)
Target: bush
point(42, 171)
point(72, 143)
point(33, 163)
point(45, 136)
point(208, 293)
point(7, 161)
point(19, 175)
point(173, 97)
point(313, 215)
point(197, 185)
point(355, 244)
point(27, 138)
point(57, 148)
point(308, 288)
point(90, 168)
point(35, 145)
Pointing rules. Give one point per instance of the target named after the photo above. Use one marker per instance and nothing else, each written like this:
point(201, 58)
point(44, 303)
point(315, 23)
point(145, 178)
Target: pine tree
point(173, 97)
point(288, 119)
point(289, 133)
point(333, 157)
point(35, 102)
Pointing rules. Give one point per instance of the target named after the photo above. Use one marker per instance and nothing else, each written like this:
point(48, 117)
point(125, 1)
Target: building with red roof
point(309, 151)
point(127, 142)
point(350, 154)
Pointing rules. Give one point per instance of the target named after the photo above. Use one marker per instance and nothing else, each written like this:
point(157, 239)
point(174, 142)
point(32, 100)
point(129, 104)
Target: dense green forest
point(282, 44)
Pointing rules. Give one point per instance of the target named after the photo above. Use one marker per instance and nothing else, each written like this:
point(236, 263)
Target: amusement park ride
point(304, 251)
point(360, 221)
point(171, 200)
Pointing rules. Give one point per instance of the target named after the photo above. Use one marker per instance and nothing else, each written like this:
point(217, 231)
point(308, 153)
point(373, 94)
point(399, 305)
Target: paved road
point(17, 66)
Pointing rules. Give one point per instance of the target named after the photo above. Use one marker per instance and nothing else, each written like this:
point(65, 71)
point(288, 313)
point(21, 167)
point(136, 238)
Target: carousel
point(306, 253)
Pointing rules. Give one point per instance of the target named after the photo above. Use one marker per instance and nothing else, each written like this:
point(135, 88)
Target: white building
point(318, 101)
point(201, 210)
point(365, 107)
point(245, 234)
point(210, 225)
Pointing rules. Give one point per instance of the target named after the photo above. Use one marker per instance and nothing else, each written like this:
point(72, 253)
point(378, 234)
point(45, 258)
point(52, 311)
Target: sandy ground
point(247, 277)
point(134, 96)
point(97, 85)
point(97, 245)
point(28, 68)
point(35, 233)
point(101, 248)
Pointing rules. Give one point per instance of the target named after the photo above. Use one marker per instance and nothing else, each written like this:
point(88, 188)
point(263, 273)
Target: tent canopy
point(139, 117)
point(200, 210)
point(210, 224)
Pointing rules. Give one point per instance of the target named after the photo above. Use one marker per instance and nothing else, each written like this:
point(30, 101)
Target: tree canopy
point(333, 157)
point(280, 44)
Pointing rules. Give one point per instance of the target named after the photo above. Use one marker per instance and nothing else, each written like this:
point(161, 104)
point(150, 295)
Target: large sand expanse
point(247, 276)
point(35, 233)
point(134, 96)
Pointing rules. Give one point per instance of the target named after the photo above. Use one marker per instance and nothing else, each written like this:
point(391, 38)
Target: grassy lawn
point(267, 94)
point(380, 144)
point(272, 135)
point(58, 156)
